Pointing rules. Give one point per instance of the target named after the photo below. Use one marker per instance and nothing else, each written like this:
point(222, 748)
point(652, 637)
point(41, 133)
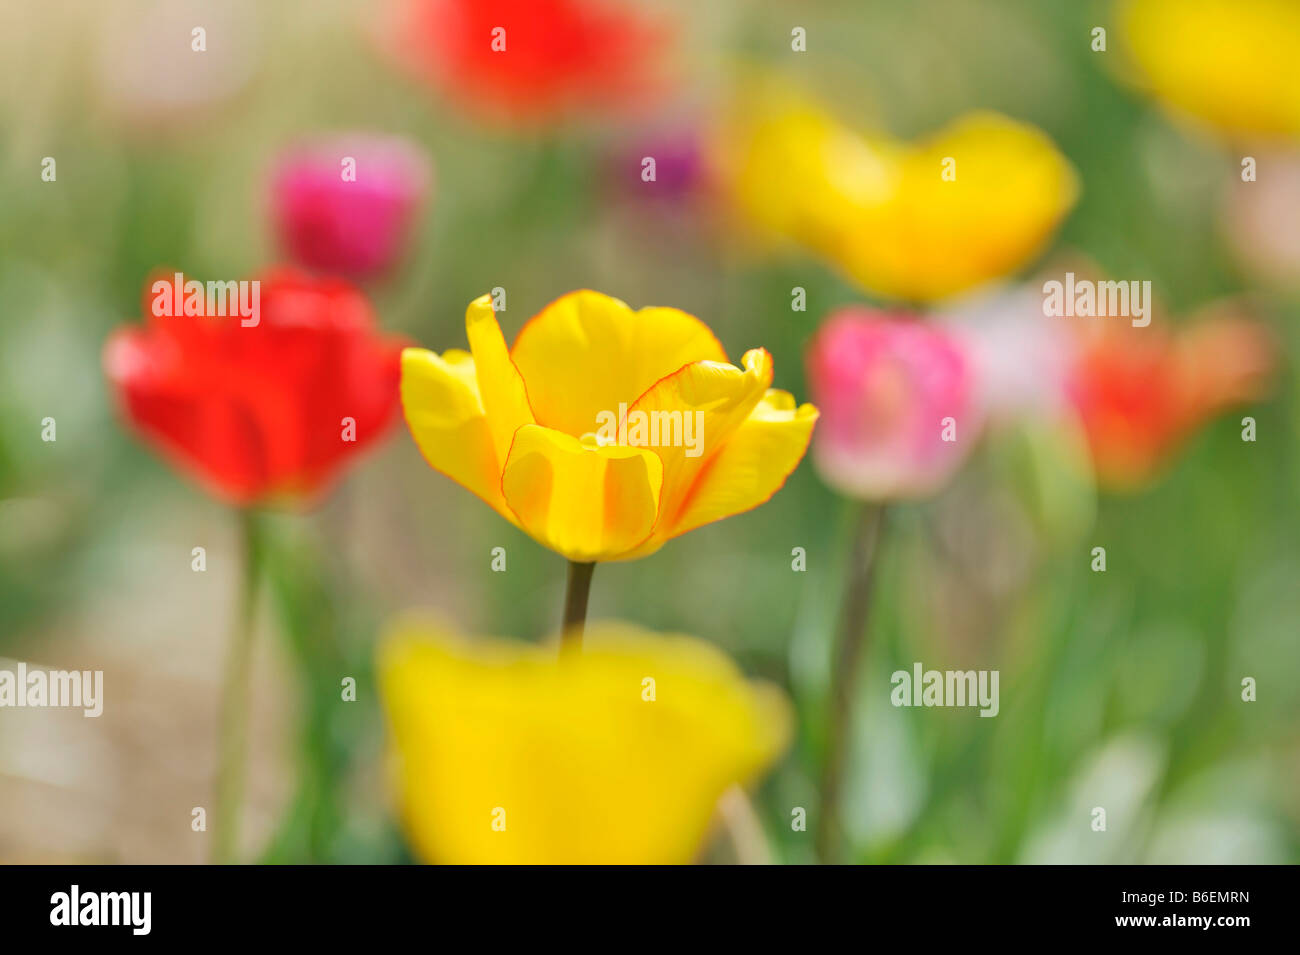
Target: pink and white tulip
point(898, 402)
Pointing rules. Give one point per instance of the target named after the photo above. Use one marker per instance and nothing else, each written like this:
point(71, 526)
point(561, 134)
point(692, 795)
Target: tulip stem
point(233, 718)
point(575, 605)
point(850, 646)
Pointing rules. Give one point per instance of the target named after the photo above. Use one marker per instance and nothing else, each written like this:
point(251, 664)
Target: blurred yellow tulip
point(1232, 63)
point(503, 754)
point(541, 431)
point(910, 221)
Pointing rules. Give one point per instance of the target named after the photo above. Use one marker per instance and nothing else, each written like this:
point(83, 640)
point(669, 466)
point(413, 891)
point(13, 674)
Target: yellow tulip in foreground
point(910, 221)
point(604, 432)
point(503, 754)
point(1232, 63)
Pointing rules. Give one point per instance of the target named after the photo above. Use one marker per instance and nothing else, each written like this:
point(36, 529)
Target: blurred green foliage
point(1117, 678)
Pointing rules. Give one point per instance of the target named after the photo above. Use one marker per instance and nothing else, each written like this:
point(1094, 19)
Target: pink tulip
point(347, 205)
point(898, 402)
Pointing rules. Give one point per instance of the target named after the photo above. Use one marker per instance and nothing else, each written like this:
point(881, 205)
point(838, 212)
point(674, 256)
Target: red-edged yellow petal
point(581, 500)
point(752, 464)
point(441, 403)
point(706, 401)
point(587, 353)
point(500, 386)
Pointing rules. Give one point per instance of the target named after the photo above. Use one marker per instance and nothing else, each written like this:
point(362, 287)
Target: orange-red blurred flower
point(1141, 392)
point(255, 411)
point(530, 59)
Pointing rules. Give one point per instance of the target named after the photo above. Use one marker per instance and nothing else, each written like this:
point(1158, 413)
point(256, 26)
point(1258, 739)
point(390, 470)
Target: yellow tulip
point(910, 221)
point(502, 754)
point(1232, 63)
point(527, 429)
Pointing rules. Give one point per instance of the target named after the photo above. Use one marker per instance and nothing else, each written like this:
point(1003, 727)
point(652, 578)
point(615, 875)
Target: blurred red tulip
point(532, 60)
point(265, 406)
point(1141, 392)
point(346, 205)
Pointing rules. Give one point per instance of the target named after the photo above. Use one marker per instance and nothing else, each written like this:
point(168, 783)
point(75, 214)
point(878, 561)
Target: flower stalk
point(575, 606)
point(233, 717)
point(850, 647)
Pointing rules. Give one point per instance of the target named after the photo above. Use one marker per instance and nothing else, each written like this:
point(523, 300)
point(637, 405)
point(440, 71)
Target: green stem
point(233, 718)
point(850, 647)
point(575, 606)
point(312, 596)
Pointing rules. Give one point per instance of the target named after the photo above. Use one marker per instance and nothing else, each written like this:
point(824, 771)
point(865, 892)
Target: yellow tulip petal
point(499, 383)
point(752, 464)
point(795, 171)
point(708, 401)
point(502, 755)
point(446, 418)
point(581, 500)
point(1232, 63)
point(587, 353)
point(915, 222)
point(1009, 189)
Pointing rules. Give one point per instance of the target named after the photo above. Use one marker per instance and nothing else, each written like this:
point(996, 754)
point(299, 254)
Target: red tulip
point(268, 404)
point(530, 59)
point(1141, 393)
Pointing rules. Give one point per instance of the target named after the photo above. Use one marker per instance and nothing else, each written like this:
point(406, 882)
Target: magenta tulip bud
point(347, 206)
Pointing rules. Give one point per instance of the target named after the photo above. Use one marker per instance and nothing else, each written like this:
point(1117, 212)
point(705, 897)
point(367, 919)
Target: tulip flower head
point(1141, 392)
point(679, 169)
point(505, 755)
point(604, 432)
point(262, 409)
point(1262, 221)
point(915, 222)
point(898, 400)
point(530, 60)
point(158, 85)
point(346, 206)
point(1229, 63)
